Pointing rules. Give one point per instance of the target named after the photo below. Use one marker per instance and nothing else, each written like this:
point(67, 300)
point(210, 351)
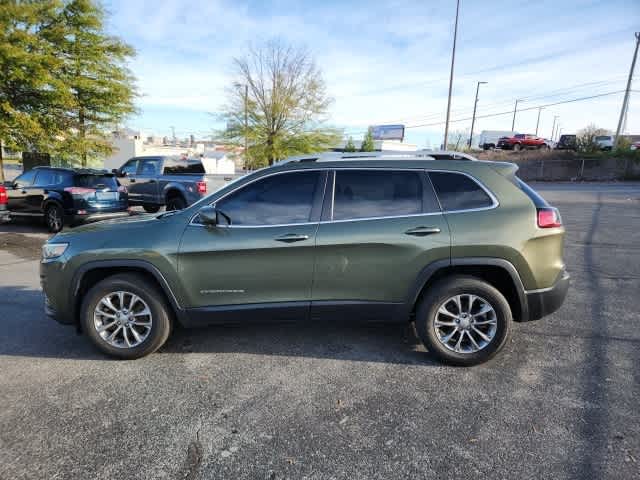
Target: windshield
point(99, 182)
point(603, 138)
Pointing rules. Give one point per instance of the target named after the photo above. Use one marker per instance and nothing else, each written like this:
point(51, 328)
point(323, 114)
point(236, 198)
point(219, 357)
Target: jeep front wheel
point(463, 320)
point(125, 316)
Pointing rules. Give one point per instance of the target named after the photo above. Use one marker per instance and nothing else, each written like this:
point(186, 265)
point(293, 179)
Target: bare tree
point(586, 138)
point(278, 104)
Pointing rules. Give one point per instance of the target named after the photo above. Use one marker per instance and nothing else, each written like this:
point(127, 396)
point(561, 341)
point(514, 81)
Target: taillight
point(201, 186)
point(3, 195)
point(80, 190)
point(549, 218)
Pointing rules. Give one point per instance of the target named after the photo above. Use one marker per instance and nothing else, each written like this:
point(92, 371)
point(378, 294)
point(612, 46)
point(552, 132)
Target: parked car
point(635, 146)
point(460, 247)
point(4, 212)
point(521, 141)
point(173, 182)
point(567, 142)
point(605, 142)
point(65, 196)
point(489, 138)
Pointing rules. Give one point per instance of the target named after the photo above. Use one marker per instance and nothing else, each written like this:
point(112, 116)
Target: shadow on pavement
point(26, 331)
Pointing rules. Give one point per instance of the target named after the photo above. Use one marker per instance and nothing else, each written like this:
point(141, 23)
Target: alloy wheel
point(465, 323)
point(122, 319)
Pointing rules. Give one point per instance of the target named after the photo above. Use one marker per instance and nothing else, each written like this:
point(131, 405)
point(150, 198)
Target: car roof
point(81, 171)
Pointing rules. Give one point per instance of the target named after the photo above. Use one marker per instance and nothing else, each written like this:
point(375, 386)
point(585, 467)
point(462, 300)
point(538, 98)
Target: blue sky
point(388, 62)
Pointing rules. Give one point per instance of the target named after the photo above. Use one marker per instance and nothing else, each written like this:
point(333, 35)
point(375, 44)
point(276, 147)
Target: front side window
point(26, 179)
point(130, 168)
point(279, 199)
point(371, 194)
point(457, 191)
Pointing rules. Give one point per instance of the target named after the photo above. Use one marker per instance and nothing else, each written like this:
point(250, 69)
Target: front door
point(18, 194)
point(383, 228)
point(127, 177)
point(260, 264)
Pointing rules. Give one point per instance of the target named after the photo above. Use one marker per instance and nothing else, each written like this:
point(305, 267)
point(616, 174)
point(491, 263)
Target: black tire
point(150, 208)
point(450, 287)
point(517, 147)
point(150, 294)
point(176, 203)
point(54, 217)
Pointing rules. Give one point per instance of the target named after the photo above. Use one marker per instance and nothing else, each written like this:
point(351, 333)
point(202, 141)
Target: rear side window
point(49, 177)
point(97, 182)
point(181, 167)
point(149, 166)
point(457, 191)
point(370, 193)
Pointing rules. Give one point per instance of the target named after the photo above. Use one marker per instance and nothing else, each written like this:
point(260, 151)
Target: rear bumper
point(545, 301)
point(4, 213)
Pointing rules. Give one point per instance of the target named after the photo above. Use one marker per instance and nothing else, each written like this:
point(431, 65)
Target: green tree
point(94, 69)
point(586, 138)
point(33, 97)
point(367, 143)
point(286, 105)
point(350, 147)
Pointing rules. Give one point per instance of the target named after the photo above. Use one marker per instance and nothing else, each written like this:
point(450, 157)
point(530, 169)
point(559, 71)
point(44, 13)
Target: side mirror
point(118, 173)
point(208, 216)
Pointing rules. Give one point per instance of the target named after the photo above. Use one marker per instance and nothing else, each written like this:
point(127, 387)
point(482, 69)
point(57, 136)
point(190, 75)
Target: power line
point(510, 112)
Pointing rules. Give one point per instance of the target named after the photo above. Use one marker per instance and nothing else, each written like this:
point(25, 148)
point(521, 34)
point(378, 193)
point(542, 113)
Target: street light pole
point(538, 122)
point(553, 128)
point(473, 119)
point(625, 101)
point(515, 109)
point(453, 60)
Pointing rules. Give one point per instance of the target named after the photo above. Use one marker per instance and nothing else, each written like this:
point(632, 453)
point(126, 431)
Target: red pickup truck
point(520, 141)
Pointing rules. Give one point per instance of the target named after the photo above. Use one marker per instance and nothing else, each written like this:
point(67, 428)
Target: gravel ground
point(339, 401)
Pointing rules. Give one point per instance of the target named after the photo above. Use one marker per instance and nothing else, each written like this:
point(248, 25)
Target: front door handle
point(422, 231)
point(292, 237)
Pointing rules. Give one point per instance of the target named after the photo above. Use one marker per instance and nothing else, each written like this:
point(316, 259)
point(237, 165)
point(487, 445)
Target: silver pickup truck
point(173, 182)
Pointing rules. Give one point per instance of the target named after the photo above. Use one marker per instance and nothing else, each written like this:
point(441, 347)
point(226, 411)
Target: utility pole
point(515, 109)
point(453, 59)
point(625, 101)
point(538, 122)
point(473, 119)
point(553, 129)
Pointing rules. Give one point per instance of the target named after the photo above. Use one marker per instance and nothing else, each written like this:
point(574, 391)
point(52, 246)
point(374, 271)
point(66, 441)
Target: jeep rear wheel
point(463, 320)
point(125, 316)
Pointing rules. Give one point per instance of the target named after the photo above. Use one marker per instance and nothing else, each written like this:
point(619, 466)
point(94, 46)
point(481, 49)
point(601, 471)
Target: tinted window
point(48, 177)
point(26, 179)
point(130, 168)
point(458, 192)
point(279, 199)
point(368, 193)
point(149, 166)
point(99, 182)
point(179, 167)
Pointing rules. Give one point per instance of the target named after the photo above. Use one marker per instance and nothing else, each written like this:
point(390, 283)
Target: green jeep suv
point(460, 247)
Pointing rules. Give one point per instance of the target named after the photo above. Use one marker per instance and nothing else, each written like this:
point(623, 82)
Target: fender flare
point(148, 267)
point(431, 269)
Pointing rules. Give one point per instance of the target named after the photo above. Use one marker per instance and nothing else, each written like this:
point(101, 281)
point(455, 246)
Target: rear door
point(381, 228)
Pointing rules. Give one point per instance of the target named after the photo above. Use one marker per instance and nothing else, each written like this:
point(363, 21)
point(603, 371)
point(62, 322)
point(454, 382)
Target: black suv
point(66, 196)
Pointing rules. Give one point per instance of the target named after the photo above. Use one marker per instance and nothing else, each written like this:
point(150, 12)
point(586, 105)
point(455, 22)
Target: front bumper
point(545, 301)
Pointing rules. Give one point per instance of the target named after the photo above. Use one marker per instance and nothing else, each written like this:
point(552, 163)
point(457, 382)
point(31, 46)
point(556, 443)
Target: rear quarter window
point(457, 191)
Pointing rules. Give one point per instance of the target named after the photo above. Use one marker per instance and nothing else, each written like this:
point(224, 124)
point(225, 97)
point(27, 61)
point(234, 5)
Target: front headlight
point(53, 250)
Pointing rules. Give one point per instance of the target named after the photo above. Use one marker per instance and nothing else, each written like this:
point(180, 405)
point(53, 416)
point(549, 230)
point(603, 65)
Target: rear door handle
point(422, 231)
point(152, 181)
point(132, 180)
point(292, 237)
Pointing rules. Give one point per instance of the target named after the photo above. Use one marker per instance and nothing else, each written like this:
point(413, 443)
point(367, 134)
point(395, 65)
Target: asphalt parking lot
point(340, 401)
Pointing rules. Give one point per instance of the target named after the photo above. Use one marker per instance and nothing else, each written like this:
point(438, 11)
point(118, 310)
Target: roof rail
point(335, 156)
